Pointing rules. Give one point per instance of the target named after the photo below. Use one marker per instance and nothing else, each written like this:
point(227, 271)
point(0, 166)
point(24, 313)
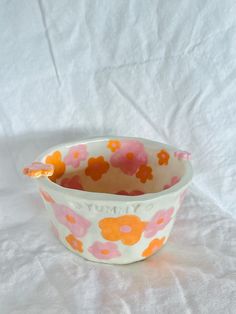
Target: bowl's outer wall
point(95, 211)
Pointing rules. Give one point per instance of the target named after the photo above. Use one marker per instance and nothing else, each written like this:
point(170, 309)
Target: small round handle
point(38, 169)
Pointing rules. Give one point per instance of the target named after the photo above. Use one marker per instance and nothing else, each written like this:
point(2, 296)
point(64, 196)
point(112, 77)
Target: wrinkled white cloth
point(164, 70)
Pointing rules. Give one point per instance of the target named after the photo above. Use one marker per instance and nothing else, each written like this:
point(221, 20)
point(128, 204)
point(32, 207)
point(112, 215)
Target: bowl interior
point(117, 166)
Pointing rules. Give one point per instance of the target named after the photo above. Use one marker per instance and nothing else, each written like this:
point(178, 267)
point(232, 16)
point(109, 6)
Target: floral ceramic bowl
point(112, 200)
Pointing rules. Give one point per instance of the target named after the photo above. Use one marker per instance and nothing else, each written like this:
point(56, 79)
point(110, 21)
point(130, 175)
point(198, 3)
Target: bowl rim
point(90, 196)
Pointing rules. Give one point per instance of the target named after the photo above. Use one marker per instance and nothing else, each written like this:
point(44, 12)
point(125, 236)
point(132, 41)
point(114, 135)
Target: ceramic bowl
point(114, 199)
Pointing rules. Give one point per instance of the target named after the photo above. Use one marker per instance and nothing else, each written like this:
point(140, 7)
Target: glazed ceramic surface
point(114, 200)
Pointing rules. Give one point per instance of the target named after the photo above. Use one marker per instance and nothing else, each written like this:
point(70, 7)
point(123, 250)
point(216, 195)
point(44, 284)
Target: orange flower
point(127, 228)
point(153, 246)
point(144, 173)
point(96, 167)
point(59, 166)
point(76, 244)
point(163, 157)
point(113, 145)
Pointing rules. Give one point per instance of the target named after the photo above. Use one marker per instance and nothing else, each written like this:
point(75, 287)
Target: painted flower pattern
point(75, 155)
point(97, 166)
point(104, 251)
point(45, 195)
point(128, 229)
point(182, 155)
point(113, 145)
point(163, 157)
point(76, 244)
point(153, 247)
point(59, 165)
point(72, 183)
point(158, 222)
point(173, 181)
point(144, 173)
point(129, 157)
point(77, 224)
point(132, 193)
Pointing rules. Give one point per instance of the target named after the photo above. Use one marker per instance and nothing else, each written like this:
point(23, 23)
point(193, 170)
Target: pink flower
point(158, 222)
point(105, 250)
point(173, 181)
point(72, 183)
point(180, 154)
point(129, 157)
point(77, 224)
point(46, 196)
point(132, 193)
point(75, 155)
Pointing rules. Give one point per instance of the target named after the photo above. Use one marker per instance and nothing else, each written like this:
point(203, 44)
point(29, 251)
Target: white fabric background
point(164, 70)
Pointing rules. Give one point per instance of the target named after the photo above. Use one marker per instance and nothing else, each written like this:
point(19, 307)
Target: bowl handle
point(38, 169)
point(182, 155)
